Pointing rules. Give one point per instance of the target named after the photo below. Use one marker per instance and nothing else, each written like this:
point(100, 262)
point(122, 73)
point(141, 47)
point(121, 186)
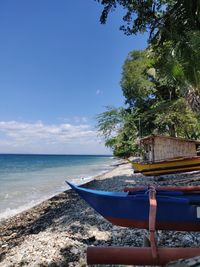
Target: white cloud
point(98, 92)
point(39, 137)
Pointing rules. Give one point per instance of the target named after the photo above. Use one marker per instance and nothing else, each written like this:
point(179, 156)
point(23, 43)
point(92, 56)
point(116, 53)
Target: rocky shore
point(58, 231)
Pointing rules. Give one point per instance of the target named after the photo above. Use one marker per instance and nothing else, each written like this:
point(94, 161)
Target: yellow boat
point(175, 165)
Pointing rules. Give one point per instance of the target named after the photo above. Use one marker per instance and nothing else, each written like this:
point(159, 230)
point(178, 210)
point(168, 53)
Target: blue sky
point(59, 68)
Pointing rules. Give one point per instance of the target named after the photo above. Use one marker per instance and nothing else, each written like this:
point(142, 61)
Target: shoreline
point(10, 212)
point(57, 231)
point(86, 182)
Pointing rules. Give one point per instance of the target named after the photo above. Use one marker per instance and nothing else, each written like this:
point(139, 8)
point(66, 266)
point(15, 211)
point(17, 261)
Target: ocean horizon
point(28, 179)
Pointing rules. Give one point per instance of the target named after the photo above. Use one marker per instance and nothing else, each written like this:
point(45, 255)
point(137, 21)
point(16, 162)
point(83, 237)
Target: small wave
point(11, 212)
point(52, 184)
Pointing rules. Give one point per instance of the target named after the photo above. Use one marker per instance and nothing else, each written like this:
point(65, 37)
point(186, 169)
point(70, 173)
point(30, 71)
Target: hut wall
point(170, 148)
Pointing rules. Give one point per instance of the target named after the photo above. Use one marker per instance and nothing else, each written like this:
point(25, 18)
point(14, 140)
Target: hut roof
point(153, 136)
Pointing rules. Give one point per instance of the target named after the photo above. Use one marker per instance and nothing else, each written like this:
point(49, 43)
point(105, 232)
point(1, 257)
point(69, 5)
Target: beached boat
point(176, 210)
point(176, 165)
point(166, 155)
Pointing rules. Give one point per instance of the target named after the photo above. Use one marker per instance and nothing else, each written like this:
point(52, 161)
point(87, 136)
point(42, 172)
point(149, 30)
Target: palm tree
point(181, 27)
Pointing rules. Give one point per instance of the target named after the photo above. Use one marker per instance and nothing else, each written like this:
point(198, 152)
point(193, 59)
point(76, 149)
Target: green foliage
point(136, 80)
point(162, 18)
point(180, 37)
point(161, 84)
point(160, 107)
point(110, 121)
point(188, 56)
point(119, 130)
point(154, 104)
point(140, 16)
point(179, 65)
point(177, 119)
point(174, 26)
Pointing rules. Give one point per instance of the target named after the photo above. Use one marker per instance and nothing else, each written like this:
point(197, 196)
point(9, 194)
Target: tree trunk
point(193, 98)
point(172, 131)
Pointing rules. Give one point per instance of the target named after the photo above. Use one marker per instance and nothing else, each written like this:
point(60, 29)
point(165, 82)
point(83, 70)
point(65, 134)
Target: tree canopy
point(162, 17)
point(161, 84)
point(172, 24)
point(153, 104)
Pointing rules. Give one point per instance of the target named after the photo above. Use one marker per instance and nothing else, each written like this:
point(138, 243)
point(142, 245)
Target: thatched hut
point(159, 147)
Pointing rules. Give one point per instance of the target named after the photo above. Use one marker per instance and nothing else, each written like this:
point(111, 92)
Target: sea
point(27, 180)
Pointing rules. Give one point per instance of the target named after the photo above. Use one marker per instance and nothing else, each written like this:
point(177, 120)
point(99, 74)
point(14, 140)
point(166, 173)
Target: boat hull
point(168, 166)
point(175, 210)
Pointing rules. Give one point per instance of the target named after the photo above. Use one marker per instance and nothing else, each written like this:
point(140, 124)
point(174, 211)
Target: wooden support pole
point(138, 256)
point(152, 221)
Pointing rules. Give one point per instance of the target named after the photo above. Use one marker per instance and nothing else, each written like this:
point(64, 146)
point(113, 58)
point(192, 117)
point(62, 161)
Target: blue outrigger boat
point(176, 210)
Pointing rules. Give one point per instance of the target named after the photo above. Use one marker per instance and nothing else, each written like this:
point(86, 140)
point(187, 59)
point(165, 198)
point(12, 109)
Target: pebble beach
point(58, 231)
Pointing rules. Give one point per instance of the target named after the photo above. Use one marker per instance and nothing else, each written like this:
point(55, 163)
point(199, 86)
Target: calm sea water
point(26, 180)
